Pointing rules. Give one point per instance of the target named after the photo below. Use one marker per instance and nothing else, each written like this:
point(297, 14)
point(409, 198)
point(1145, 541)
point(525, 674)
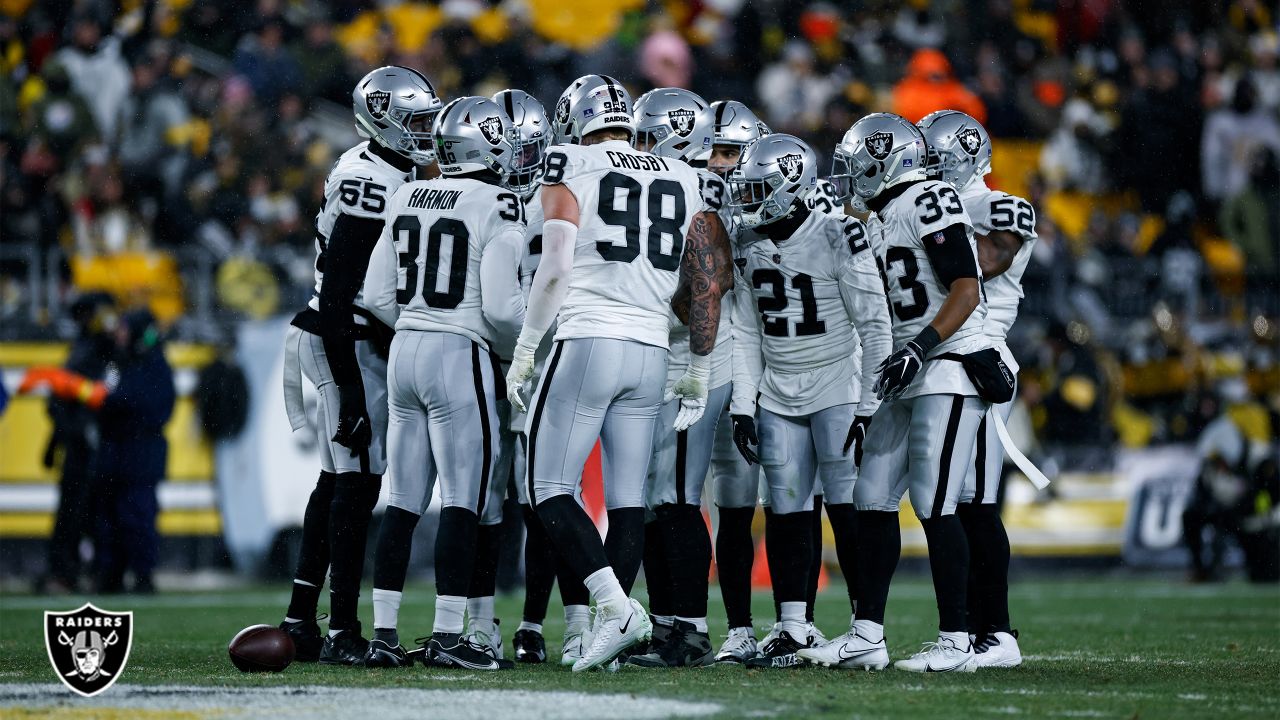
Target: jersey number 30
point(407, 232)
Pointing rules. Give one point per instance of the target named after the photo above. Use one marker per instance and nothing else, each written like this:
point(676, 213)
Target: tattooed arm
point(706, 274)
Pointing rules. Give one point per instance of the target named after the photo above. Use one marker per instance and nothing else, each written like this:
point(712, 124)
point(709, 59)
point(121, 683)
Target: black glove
point(857, 434)
point(744, 436)
point(355, 432)
point(898, 370)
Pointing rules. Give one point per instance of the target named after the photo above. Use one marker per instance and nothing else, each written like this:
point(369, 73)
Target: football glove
point(744, 436)
point(518, 374)
point(857, 434)
point(355, 431)
point(691, 388)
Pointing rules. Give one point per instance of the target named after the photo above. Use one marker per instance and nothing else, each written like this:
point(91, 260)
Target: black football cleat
point(779, 653)
point(530, 647)
point(345, 648)
point(307, 641)
point(451, 650)
point(385, 655)
point(683, 646)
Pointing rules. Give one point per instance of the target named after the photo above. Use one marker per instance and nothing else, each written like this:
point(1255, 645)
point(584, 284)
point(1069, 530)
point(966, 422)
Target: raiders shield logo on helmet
point(491, 128)
point(377, 101)
point(562, 111)
point(88, 647)
point(792, 166)
point(879, 144)
point(681, 121)
point(969, 139)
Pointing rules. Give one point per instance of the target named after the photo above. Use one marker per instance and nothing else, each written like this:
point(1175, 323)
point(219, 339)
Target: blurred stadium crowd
point(173, 152)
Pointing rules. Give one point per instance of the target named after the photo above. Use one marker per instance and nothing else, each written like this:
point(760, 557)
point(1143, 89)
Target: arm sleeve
point(863, 293)
point(748, 365)
point(381, 280)
point(551, 281)
point(346, 261)
point(951, 254)
point(500, 296)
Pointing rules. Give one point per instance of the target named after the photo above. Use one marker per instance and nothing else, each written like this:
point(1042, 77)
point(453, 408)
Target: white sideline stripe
point(44, 497)
point(323, 702)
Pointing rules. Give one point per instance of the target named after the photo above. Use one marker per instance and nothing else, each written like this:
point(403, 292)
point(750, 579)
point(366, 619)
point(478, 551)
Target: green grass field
point(1094, 647)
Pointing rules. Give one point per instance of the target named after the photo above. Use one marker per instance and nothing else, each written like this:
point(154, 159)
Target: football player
point(676, 123)
point(811, 292)
point(543, 566)
point(342, 349)
point(960, 151)
point(617, 223)
point(921, 438)
point(448, 266)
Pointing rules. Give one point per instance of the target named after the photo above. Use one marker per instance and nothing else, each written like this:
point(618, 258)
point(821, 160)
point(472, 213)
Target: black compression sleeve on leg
point(949, 563)
point(539, 568)
point(815, 566)
point(789, 546)
point(354, 496)
point(657, 579)
point(313, 551)
point(768, 518)
point(879, 545)
point(688, 554)
point(973, 608)
point(455, 551)
point(573, 535)
point(844, 526)
point(735, 553)
point(988, 569)
point(624, 545)
point(391, 556)
point(484, 578)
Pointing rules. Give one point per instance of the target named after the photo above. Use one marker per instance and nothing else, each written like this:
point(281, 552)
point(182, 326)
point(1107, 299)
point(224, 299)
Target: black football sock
point(844, 526)
point(391, 554)
point(572, 589)
point(879, 545)
point(456, 551)
point(777, 605)
point(539, 568)
point(735, 553)
point(313, 552)
point(949, 563)
point(789, 546)
point(484, 578)
point(657, 579)
point(624, 545)
point(354, 496)
point(815, 566)
point(573, 535)
point(988, 568)
point(688, 553)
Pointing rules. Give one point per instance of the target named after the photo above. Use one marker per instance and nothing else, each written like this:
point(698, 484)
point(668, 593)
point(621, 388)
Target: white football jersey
point(360, 184)
point(804, 304)
point(634, 213)
point(916, 216)
point(994, 210)
point(825, 199)
point(438, 230)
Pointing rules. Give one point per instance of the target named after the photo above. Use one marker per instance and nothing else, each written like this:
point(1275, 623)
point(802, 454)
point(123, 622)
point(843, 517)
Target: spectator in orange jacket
point(929, 85)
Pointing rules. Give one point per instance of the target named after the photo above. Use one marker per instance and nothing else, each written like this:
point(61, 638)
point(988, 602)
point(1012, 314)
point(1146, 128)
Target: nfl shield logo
point(377, 101)
point(969, 139)
point(88, 647)
point(879, 144)
point(792, 166)
point(681, 121)
point(491, 128)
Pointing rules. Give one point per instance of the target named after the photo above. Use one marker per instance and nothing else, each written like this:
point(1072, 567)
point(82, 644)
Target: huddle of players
point(692, 266)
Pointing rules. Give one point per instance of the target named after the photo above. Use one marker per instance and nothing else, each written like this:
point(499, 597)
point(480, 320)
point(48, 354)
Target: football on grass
point(261, 648)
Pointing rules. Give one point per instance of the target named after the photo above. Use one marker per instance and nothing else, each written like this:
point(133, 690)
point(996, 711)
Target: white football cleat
point(772, 634)
point(487, 637)
point(940, 656)
point(616, 629)
point(739, 646)
point(815, 635)
point(576, 639)
point(849, 650)
point(998, 650)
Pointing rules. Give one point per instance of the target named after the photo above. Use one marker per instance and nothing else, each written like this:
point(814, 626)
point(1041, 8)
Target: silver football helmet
point(774, 175)
point(674, 123)
point(473, 134)
point(880, 150)
point(591, 109)
point(396, 106)
point(560, 120)
point(735, 124)
point(530, 120)
point(959, 147)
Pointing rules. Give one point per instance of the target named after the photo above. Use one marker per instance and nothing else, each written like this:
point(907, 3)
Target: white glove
point(692, 389)
point(521, 368)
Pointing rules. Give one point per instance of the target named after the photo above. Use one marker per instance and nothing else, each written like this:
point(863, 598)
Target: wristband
point(927, 340)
